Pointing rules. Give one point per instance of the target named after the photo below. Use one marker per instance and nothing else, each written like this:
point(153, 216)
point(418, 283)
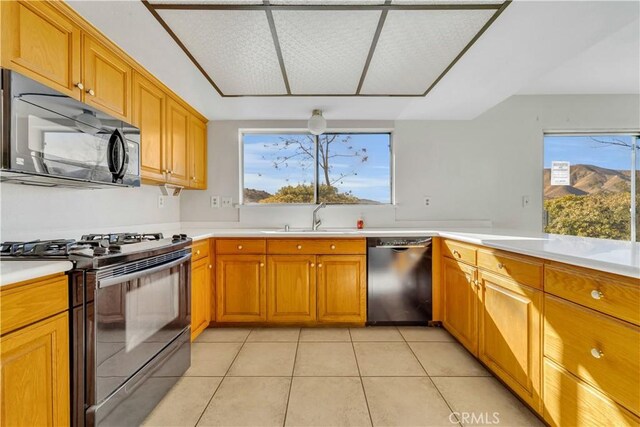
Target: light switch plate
point(227, 202)
point(215, 201)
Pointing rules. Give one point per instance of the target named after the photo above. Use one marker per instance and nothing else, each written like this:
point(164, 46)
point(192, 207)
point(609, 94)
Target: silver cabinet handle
point(596, 294)
point(597, 353)
point(91, 92)
point(79, 85)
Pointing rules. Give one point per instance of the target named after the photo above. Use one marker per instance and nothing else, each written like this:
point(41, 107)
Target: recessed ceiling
point(325, 47)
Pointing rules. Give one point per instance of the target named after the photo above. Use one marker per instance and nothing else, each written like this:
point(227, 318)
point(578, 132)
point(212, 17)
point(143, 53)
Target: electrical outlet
point(525, 201)
point(227, 202)
point(427, 201)
point(215, 201)
point(161, 202)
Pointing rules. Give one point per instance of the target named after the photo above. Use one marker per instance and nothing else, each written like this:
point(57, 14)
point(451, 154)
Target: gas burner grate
point(119, 238)
point(37, 248)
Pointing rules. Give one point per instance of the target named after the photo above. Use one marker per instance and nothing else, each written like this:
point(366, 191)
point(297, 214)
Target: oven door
point(139, 310)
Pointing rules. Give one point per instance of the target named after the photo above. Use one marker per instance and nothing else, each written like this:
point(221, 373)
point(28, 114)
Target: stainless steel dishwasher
point(399, 281)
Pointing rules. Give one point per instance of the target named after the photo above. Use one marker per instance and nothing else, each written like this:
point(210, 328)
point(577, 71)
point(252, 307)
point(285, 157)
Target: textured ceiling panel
point(327, 2)
point(445, 2)
point(213, 2)
point(324, 52)
point(235, 48)
point(415, 47)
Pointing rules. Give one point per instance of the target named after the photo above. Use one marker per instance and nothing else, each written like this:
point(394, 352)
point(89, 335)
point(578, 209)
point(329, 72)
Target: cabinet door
point(107, 79)
point(200, 296)
point(34, 365)
point(510, 331)
point(42, 44)
point(177, 142)
point(241, 288)
point(460, 311)
point(149, 115)
point(197, 154)
point(291, 288)
point(342, 288)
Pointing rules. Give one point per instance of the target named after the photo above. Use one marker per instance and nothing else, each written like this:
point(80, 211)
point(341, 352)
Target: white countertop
point(19, 271)
point(612, 256)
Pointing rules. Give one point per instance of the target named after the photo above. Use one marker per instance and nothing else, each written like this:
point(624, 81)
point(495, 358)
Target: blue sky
point(371, 182)
point(584, 150)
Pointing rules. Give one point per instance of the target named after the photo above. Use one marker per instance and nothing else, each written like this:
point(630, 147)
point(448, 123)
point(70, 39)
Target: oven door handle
point(104, 283)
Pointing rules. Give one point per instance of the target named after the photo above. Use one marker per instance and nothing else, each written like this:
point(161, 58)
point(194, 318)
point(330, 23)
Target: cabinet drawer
point(241, 246)
point(459, 252)
point(32, 301)
point(570, 402)
point(523, 270)
point(574, 336)
point(317, 246)
point(199, 250)
point(613, 295)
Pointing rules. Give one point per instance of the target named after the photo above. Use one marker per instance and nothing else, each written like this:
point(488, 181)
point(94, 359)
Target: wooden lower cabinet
point(460, 302)
point(342, 288)
point(35, 374)
point(241, 288)
point(571, 402)
point(510, 320)
point(291, 288)
point(201, 292)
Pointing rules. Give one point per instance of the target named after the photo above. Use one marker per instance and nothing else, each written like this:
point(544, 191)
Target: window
point(335, 168)
point(591, 185)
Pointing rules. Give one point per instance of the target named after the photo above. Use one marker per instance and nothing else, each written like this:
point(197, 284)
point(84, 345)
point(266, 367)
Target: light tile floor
point(381, 376)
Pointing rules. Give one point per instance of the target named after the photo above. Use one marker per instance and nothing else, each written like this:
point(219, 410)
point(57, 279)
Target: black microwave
point(51, 139)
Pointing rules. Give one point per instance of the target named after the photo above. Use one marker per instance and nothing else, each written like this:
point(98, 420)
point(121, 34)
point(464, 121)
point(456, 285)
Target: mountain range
point(588, 179)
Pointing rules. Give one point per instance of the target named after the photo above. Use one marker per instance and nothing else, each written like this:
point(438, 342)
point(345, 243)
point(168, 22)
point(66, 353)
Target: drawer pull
point(91, 92)
point(262, 264)
point(456, 253)
point(239, 247)
point(79, 85)
point(320, 265)
point(596, 353)
point(198, 252)
point(210, 266)
point(500, 265)
point(333, 247)
point(299, 247)
point(312, 265)
point(596, 294)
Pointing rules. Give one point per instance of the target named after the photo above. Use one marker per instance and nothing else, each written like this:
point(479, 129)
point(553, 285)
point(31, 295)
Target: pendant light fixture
point(317, 124)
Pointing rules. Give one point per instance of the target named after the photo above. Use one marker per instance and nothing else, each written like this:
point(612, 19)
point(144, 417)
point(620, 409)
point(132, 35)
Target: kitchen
point(320, 213)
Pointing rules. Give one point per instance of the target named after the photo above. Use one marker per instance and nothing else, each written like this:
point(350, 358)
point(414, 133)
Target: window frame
point(298, 131)
point(633, 234)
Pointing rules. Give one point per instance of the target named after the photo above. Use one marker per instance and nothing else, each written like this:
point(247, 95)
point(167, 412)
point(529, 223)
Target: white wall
point(28, 212)
point(473, 170)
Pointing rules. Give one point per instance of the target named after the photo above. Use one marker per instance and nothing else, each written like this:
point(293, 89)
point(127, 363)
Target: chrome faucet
point(316, 222)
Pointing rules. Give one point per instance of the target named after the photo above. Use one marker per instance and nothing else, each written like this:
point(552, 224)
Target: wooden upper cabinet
point(149, 114)
point(342, 288)
point(241, 288)
point(35, 374)
point(197, 153)
point(177, 145)
point(106, 78)
point(460, 308)
point(291, 288)
point(42, 44)
point(510, 334)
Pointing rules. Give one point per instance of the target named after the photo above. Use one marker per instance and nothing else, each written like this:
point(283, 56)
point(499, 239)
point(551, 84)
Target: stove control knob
point(100, 250)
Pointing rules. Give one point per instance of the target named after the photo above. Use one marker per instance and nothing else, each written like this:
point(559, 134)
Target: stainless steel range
point(130, 302)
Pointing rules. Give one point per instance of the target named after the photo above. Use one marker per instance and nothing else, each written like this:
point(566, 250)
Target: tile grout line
point(355, 356)
point(293, 370)
point(223, 378)
point(446, 402)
